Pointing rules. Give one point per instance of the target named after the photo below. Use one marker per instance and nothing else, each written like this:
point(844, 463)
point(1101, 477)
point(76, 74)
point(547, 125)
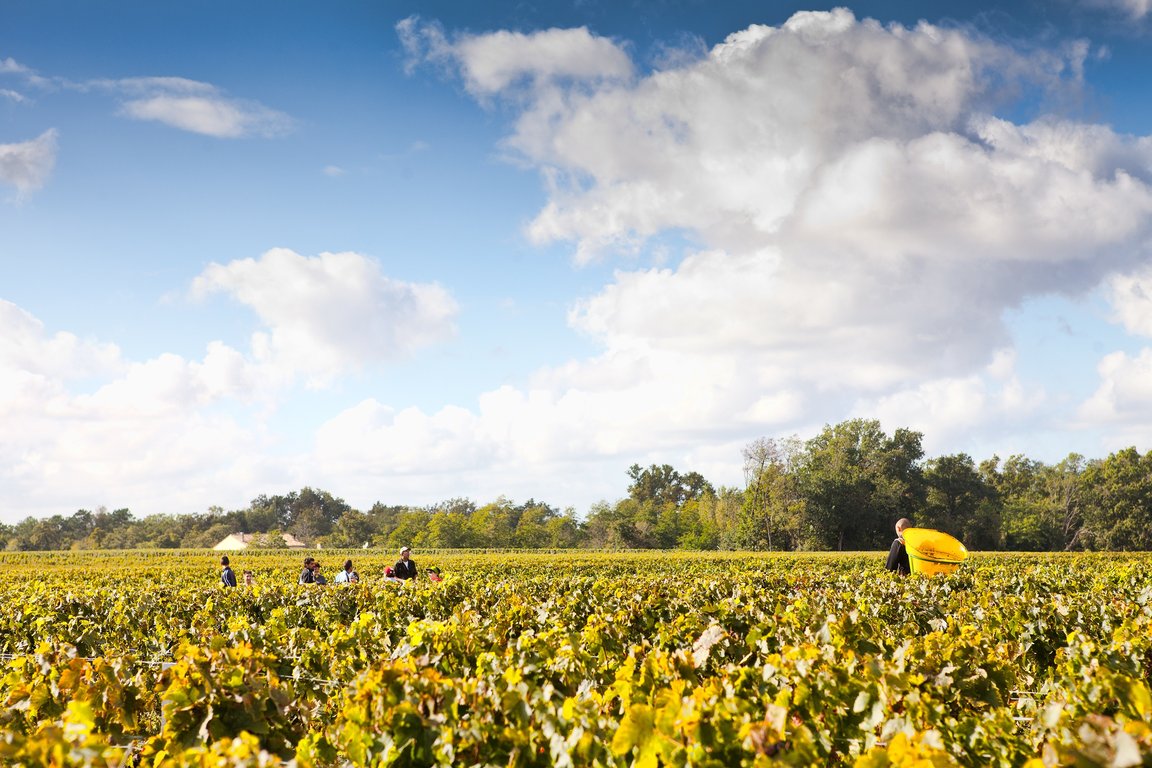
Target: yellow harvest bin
point(933, 552)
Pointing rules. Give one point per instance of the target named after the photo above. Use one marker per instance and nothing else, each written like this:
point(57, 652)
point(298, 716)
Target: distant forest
point(841, 490)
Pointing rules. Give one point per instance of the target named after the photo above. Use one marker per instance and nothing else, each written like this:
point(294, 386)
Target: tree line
point(840, 490)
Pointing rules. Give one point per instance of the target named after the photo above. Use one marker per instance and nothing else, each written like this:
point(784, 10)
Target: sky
point(415, 251)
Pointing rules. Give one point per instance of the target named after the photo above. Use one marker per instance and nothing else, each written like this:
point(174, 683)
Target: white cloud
point(1131, 9)
point(10, 95)
point(1120, 409)
point(864, 221)
point(85, 427)
point(493, 62)
point(332, 312)
point(1124, 396)
point(169, 384)
point(179, 102)
point(578, 419)
point(860, 221)
point(146, 436)
point(147, 86)
point(962, 410)
point(864, 215)
point(28, 165)
point(1131, 298)
point(27, 349)
point(731, 145)
point(210, 114)
point(10, 66)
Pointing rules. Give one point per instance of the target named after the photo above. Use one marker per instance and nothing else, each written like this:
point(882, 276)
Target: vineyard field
point(144, 658)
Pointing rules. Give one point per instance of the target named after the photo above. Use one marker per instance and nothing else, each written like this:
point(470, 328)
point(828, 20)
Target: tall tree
point(1119, 503)
point(959, 501)
point(1065, 485)
point(857, 481)
point(1019, 488)
point(664, 485)
point(773, 504)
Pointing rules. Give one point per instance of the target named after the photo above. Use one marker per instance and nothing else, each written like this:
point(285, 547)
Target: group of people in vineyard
point(404, 570)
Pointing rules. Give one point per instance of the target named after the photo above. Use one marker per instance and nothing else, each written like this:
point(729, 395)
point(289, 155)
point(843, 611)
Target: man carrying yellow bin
point(924, 551)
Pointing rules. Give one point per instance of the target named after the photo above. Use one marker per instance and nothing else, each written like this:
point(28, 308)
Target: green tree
point(959, 501)
point(772, 505)
point(1042, 507)
point(664, 485)
point(1065, 486)
point(698, 524)
point(532, 527)
point(492, 525)
point(610, 526)
point(208, 537)
point(353, 529)
point(856, 482)
point(565, 531)
point(385, 517)
point(409, 529)
point(1118, 508)
point(162, 531)
point(448, 530)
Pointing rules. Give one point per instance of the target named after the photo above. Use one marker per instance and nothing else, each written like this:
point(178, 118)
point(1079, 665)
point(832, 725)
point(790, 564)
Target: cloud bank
point(167, 433)
point(864, 212)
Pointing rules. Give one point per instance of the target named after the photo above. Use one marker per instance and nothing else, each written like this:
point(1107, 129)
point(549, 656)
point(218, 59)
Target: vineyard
point(143, 658)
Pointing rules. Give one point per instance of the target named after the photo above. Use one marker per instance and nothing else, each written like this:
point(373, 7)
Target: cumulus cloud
point(861, 211)
point(493, 62)
point(332, 312)
point(26, 348)
point(1124, 397)
point(858, 205)
point(85, 427)
point(561, 437)
point(963, 410)
point(27, 165)
point(1131, 299)
point(864, 208)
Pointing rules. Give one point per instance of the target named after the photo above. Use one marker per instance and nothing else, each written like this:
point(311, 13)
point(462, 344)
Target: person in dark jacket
point(226, 575)
point(898, 554)
point(405, 567)
point(307, 576)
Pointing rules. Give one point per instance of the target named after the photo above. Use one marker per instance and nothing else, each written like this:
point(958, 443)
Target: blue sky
point(406, 252)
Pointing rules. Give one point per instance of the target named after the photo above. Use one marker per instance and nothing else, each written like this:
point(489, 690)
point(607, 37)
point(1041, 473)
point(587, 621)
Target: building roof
point(244, 540)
